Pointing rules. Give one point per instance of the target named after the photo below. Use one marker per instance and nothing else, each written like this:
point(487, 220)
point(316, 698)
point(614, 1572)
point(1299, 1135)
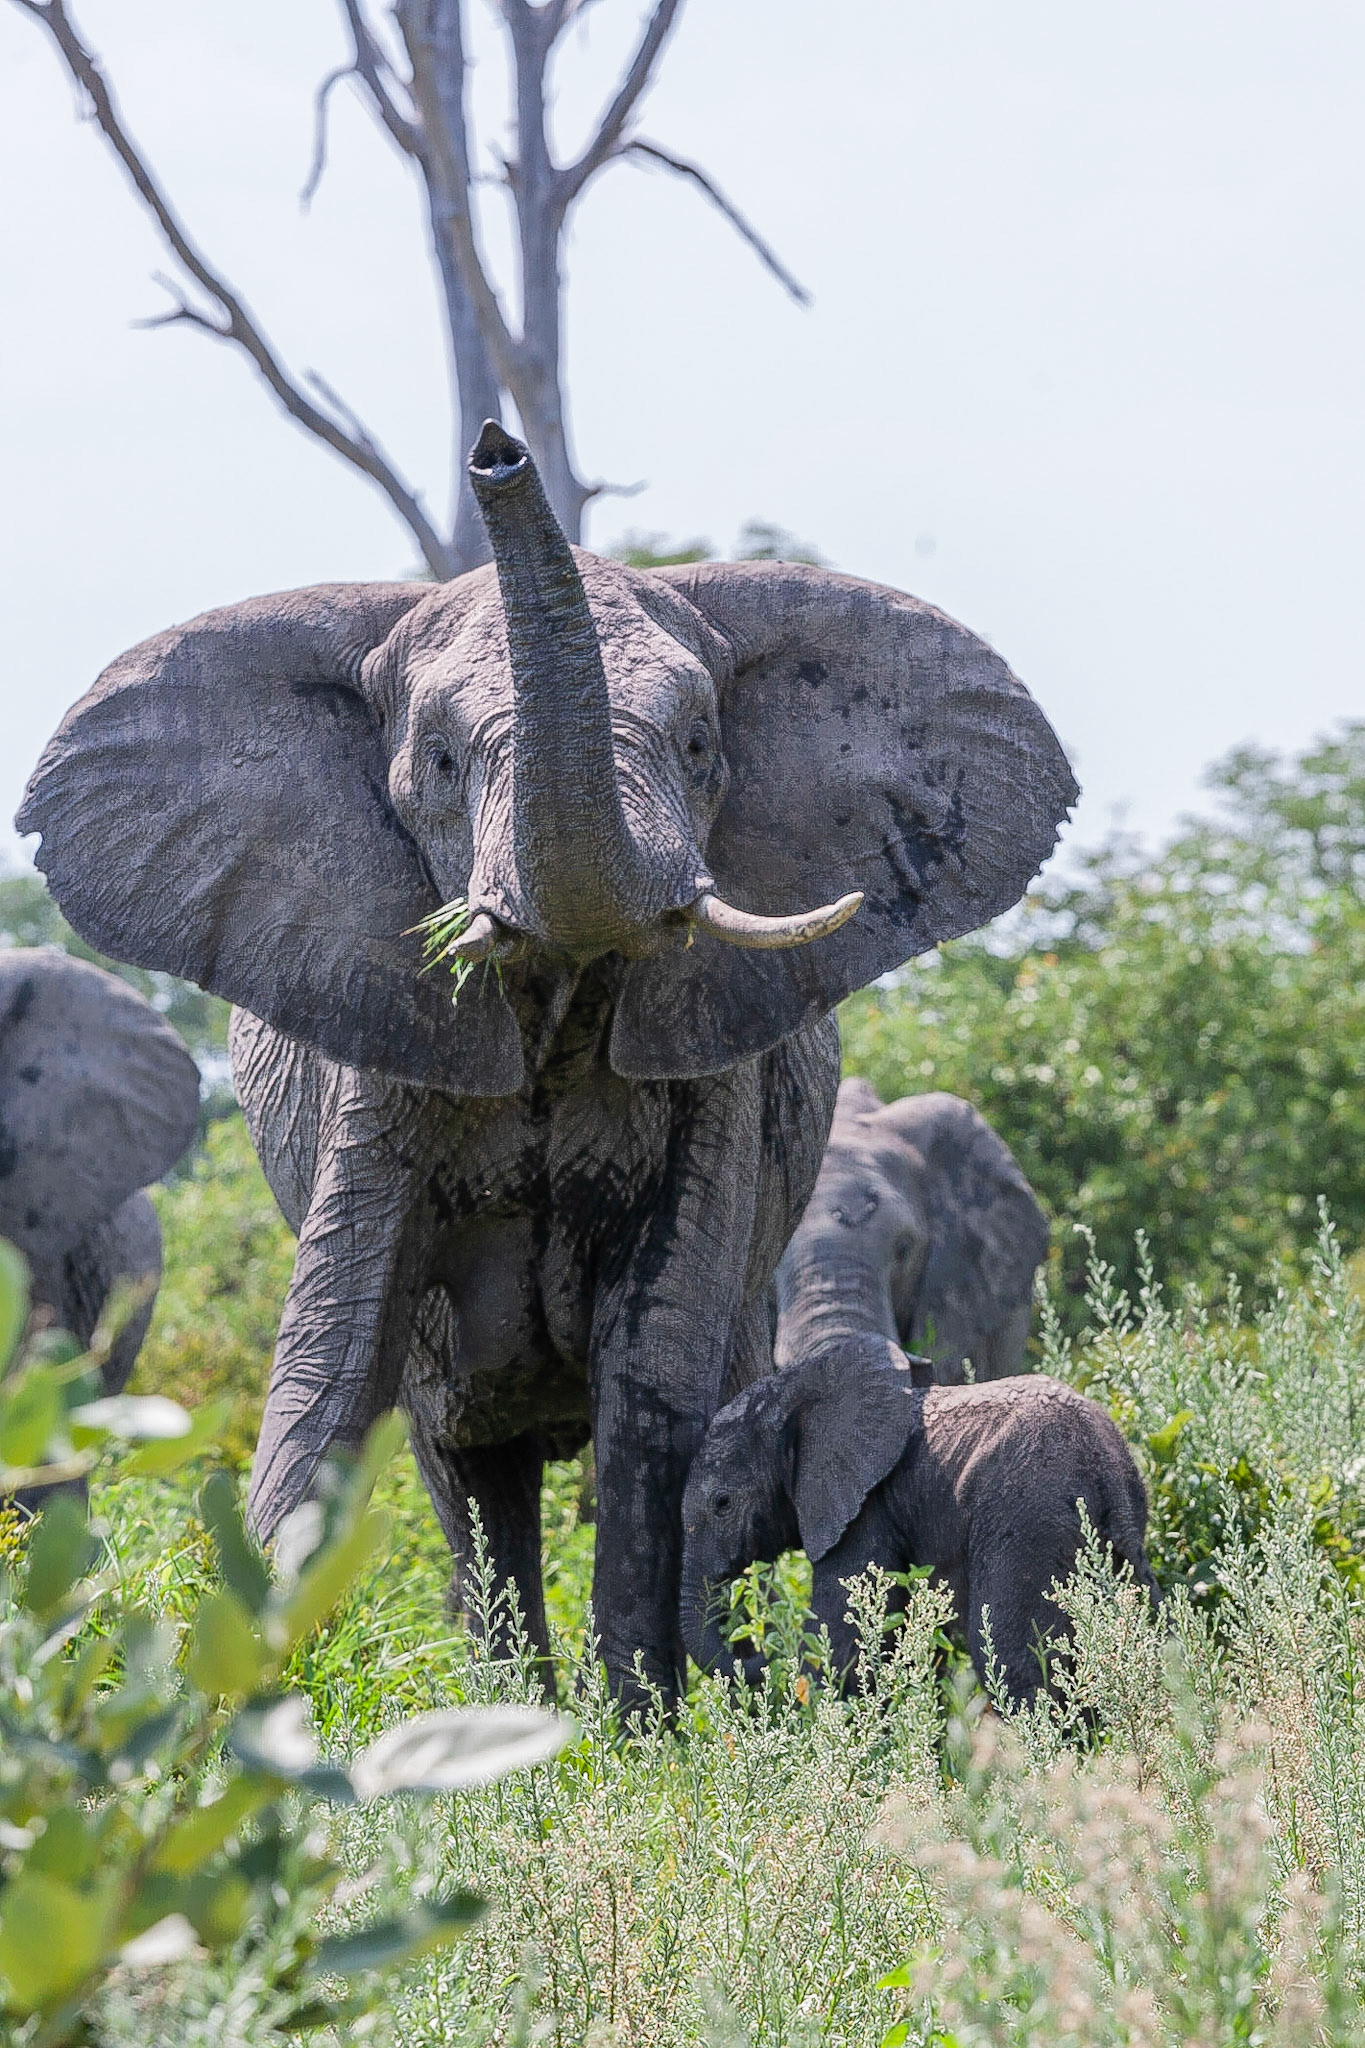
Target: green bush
point(157, 1786)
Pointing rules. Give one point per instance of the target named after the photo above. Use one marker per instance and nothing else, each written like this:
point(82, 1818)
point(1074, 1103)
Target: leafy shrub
point(155, 1796)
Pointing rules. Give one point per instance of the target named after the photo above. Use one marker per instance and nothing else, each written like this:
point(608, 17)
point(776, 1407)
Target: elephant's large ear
point(987, 1234)
point(98, 1097)
point(873, 744)
point(854, 1409)
point(218, 806)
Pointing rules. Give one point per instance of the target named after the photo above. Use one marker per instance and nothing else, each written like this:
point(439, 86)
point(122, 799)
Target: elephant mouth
point(488, 937)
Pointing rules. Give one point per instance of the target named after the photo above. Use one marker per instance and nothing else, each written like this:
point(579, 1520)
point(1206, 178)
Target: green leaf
point(13, 1300)
point(154, 1460)
point(385, 1944)
point(133, 1418)
point(65, 1848)
point(226, 1656)
point(1162, 1442)
point(31, 1410)
point(203, 1832)
point(274, 1738)
point(239, 1559)
point(897, 2036)
point(327, 1577)
point(383, 1441)
point(60, 1551)
point(445, 1751)
point(51, 1937)
point(900, 1979)
point(216, 1906)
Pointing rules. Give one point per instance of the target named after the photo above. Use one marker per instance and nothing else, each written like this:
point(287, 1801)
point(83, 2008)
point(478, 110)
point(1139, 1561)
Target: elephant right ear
point(218, 807)
point(98, 1097)
point(854, 1408)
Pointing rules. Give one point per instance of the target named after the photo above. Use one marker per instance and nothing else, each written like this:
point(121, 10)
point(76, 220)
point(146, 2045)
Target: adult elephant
point(922, 1229)
point(98, 1097)
point(558, 1200)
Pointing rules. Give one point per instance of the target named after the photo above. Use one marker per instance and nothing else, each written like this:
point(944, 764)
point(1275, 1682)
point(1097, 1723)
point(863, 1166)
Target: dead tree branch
point(319, 158)
point(610, 129)
point(492, 357)
point(708, 187)
point(238, 324)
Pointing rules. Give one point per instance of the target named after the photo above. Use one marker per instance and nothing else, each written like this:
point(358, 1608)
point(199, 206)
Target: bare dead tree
point(415, 85)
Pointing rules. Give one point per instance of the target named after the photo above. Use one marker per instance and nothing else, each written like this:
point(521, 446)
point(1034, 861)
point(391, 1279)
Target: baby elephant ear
point(98, 1097)
point(854, 1409)
point(218, 806)
point(873, 745)
point(987, 1236)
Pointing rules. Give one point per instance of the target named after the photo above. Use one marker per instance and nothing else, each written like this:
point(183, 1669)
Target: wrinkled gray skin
point(844, 1456)
point(98, 1097)
point(922, 1228)
point(556, 1205)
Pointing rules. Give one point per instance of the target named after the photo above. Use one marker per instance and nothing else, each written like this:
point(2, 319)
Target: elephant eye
point(441, 754)
point(721, 1503)
point(699, 740)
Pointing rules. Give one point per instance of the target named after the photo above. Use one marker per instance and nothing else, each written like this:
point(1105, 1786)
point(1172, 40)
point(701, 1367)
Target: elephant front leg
point(662, 1341)
point(351, 1302)
point(497, 1576)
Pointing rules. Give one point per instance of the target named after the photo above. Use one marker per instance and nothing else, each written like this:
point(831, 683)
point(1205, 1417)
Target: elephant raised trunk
point(585, 884)
point(579, 868)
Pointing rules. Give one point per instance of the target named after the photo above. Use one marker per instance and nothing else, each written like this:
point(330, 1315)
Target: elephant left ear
point(855, 1407)
point(98, 1097)
point(873, 744)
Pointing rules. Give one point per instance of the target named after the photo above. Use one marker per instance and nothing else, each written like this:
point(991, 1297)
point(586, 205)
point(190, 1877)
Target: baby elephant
point(844, 1456)
point(98, 1097)
point(922, 1227)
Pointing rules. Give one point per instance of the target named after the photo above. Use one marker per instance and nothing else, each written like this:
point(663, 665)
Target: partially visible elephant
point(844, 1456)
point(98, 1098)
point(550, 1195)
point(921, 1227)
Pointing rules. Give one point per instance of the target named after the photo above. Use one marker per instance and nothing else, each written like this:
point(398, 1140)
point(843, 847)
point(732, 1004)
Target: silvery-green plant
point(156, 1795)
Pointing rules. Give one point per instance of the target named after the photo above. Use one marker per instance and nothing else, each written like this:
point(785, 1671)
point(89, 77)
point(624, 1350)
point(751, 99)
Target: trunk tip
point(496, 454)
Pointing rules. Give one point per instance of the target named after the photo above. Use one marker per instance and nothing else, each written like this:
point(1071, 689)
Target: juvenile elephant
point(843, 1455)
point(921, 1227)
point(98, 1097)
point(556, 1202)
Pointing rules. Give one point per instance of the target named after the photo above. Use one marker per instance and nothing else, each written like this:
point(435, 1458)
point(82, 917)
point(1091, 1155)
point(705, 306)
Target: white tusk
point(747, 928)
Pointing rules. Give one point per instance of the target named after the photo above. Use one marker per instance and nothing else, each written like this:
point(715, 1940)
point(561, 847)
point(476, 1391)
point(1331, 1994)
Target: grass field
point(1175, 1854)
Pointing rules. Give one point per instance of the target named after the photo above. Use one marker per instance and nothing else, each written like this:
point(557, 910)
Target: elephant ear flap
point(855, 1408)
point(98, 1097)
point(987, 1234)
point(217, 806)
point(873, 745)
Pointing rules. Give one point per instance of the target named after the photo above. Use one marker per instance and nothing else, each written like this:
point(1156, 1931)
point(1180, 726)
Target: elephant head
point(675, 767)
point(921, 1227)
point(790, 1462)
point(98, 1097)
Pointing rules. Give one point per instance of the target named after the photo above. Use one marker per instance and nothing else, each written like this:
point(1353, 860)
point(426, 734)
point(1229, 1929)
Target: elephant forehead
point(451, 650)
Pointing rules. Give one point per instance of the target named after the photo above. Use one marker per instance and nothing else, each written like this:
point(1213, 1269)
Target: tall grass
point(1171, 1852)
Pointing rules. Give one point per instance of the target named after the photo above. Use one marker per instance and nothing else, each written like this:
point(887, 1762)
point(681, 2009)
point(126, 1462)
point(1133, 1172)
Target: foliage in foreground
point(156, 1793)
point(1175, 1853)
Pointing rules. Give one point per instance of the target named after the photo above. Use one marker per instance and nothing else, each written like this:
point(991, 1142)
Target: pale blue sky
point(1083, 366)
